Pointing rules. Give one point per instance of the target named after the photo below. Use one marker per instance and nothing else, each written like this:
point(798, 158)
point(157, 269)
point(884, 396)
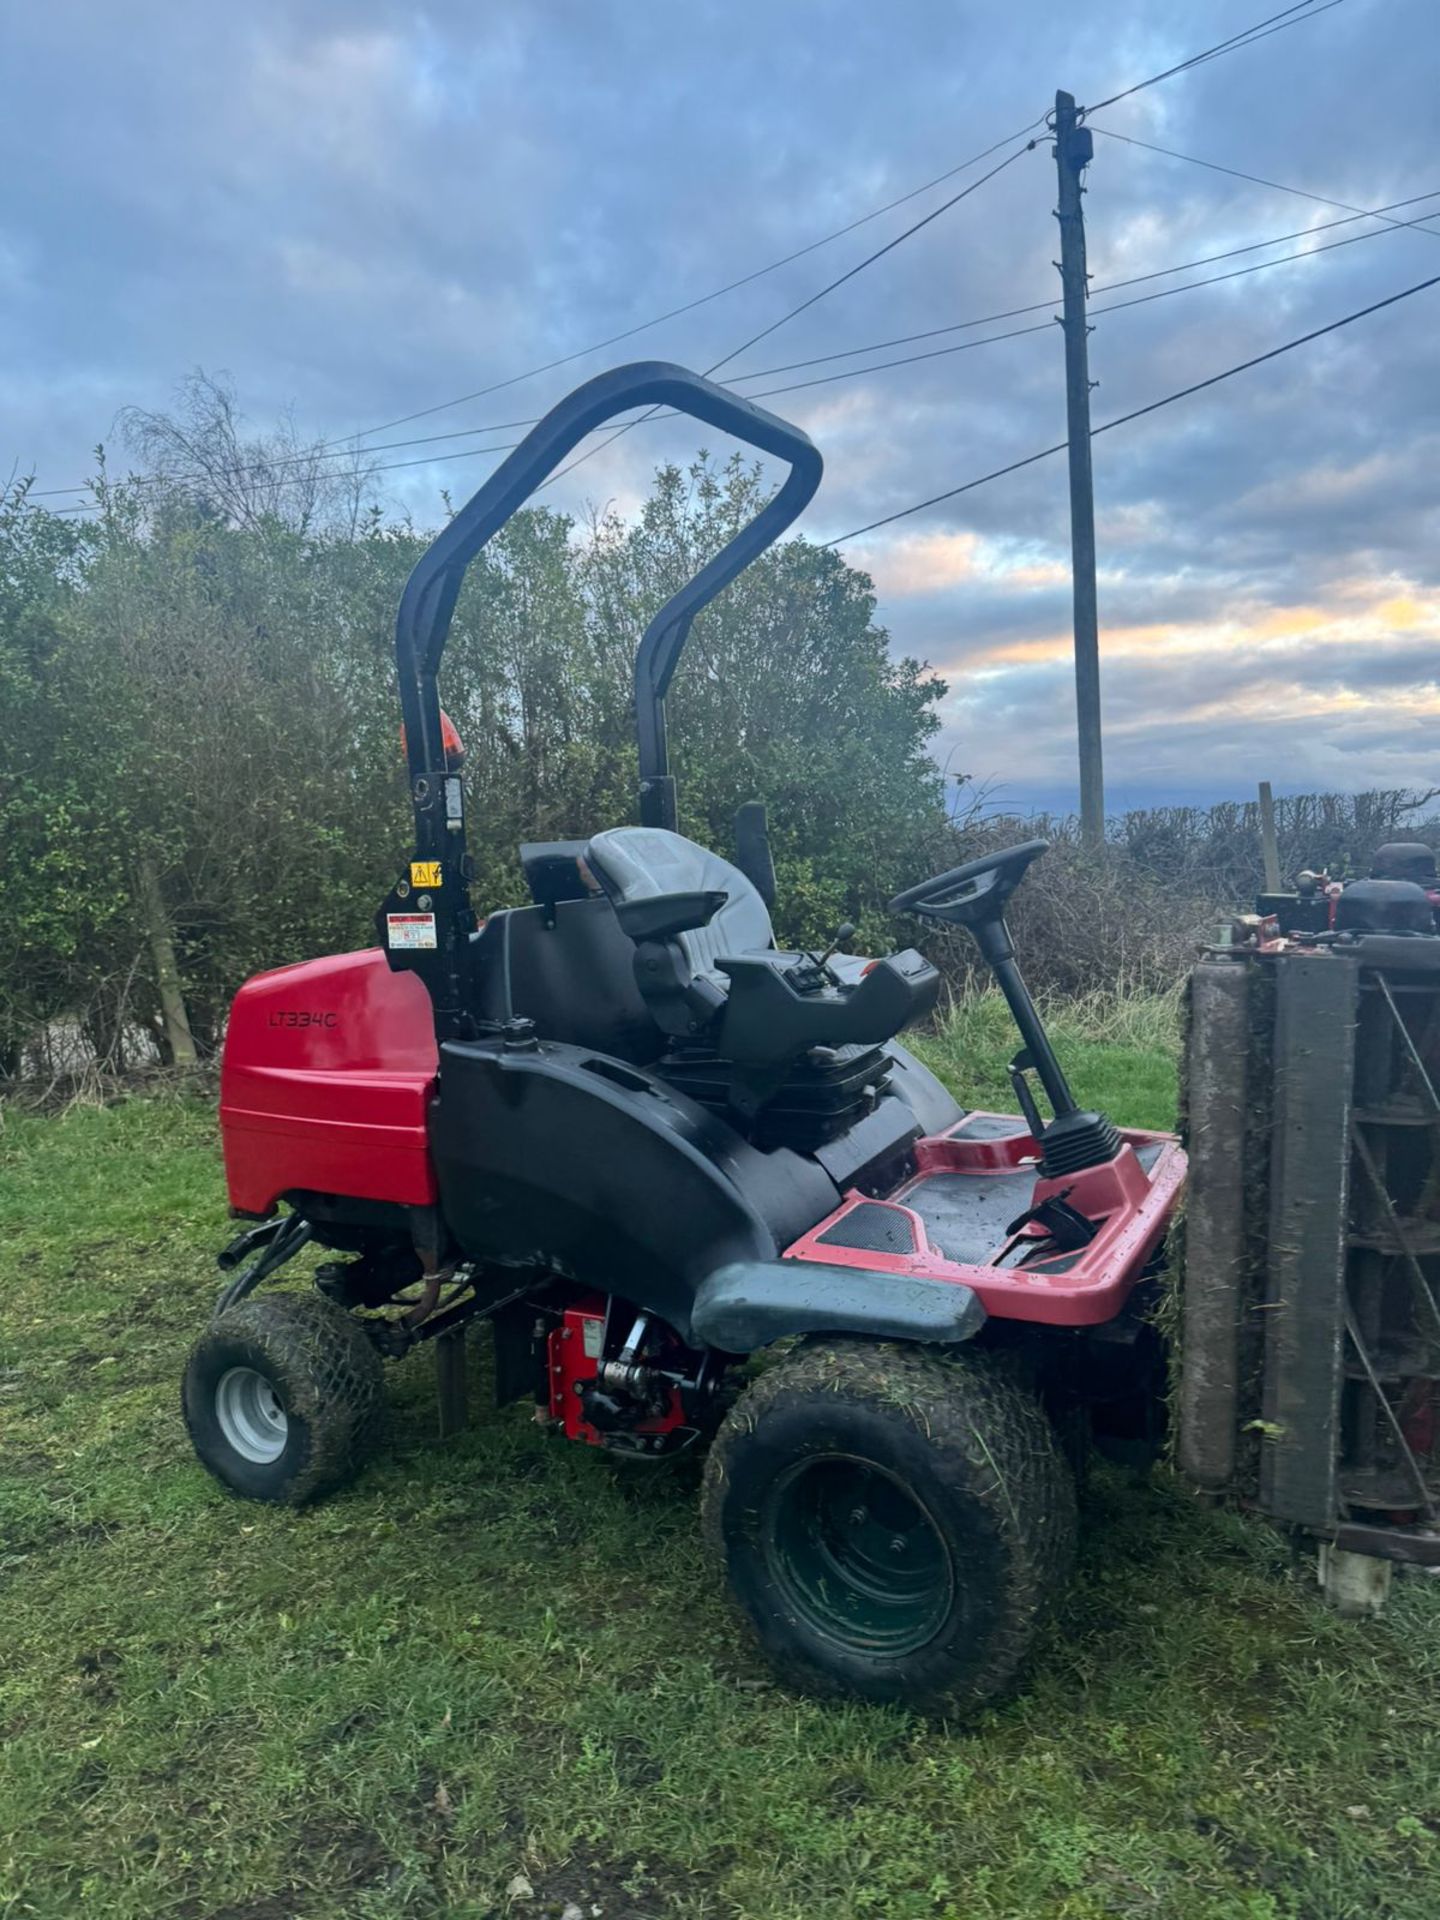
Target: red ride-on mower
point(646, 1146)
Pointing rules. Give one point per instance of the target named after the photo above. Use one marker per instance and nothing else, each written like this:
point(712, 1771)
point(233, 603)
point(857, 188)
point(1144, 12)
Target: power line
point(1261, 30)
point(870, 259)
point(389, 466)
point(1014, 333)
point(813, 299)
point(1137, 413)
point(343, 447)
point(1114, 286)
point(323, 451)
point(1246, 37)
point(704, 299)
point(848, 353)
point(839, 233)
point(800, 386)
point(1275, 23)
point(1255, 180)
point(1300, 233)
point(1113, 306)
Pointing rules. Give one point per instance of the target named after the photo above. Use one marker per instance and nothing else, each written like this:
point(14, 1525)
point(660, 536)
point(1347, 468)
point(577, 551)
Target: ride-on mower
point(650, 1147)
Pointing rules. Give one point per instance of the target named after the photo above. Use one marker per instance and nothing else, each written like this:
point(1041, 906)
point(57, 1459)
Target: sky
point(360, 211)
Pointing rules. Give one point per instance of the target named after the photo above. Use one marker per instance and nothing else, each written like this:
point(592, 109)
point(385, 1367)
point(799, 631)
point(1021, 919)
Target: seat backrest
point(636, 863)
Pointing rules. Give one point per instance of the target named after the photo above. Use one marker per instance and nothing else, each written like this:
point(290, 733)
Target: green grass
point(1119, 1054)
point(499, 1657)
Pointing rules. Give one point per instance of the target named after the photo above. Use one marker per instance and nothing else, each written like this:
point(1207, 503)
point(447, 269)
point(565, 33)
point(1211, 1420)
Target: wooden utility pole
point(1074, 147)
point(1269, 844)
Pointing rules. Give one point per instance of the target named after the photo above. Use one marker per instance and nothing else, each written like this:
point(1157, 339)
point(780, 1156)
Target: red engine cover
point(328, 1071)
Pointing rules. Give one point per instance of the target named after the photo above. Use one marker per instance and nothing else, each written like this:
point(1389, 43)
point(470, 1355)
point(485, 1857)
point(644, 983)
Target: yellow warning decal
point(425, 873)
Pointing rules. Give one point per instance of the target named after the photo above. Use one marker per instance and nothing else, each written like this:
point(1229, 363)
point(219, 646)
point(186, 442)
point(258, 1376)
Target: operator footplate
point(959, 1217)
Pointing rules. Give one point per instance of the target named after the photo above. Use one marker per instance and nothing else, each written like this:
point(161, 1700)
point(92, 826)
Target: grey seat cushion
point(636, 863)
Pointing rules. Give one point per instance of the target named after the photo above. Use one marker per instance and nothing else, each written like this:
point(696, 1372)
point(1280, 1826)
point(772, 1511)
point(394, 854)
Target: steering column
point(975, 897)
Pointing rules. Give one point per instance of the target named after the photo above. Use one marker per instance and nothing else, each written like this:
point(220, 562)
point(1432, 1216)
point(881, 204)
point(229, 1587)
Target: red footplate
point(951, 1221)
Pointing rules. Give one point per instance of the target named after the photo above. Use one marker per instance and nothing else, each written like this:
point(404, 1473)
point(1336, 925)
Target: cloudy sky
point(362, 210)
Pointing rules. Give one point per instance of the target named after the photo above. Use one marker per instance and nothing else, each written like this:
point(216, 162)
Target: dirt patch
point(40, 1534)
point(343, 1860)
point(28, 1466)
point(636, 1765)
point(619, 1889)
point(97, 1672)
point(355, 1856)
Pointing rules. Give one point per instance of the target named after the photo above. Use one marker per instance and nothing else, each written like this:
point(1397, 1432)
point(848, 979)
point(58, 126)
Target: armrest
point(775, 1010)
point(663, 915)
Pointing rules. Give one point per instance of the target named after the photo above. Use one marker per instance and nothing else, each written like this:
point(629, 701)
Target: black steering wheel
point(976, 893)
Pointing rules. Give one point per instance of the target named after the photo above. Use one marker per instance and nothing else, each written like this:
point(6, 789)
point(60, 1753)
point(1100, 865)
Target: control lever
point(1018, 1069)
point(844, 934)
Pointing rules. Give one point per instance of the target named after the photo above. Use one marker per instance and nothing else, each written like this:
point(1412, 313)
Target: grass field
point(500, 1658)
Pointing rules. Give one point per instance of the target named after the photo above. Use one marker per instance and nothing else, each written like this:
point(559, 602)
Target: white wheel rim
point(251, 1415)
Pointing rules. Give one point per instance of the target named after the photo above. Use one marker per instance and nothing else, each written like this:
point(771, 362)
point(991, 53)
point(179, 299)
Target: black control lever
point(1018, 1068)
point(844, 934)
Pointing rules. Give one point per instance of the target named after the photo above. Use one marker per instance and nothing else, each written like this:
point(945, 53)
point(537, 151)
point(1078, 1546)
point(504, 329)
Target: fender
point(584, 1165)
point(750, 1303)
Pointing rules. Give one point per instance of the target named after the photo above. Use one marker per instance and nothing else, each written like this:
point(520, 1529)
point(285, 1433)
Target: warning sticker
point(410, 929)
point(425, 873)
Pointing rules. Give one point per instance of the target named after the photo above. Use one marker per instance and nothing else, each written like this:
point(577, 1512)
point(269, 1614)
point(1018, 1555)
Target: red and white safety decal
point(410, 929)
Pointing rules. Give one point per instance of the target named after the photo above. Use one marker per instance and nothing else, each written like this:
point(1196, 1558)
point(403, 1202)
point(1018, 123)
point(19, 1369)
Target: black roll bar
point(428, 602)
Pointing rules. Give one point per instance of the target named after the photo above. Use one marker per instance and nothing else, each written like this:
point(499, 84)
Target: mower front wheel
point(282, 1396)
point(892, 1521)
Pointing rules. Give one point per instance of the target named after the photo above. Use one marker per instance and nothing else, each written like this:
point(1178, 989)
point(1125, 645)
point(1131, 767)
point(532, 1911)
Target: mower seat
point(706, 964)
point(643, 863)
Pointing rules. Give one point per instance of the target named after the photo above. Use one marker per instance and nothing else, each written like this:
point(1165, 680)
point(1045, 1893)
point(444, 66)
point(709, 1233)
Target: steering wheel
point(977, 893)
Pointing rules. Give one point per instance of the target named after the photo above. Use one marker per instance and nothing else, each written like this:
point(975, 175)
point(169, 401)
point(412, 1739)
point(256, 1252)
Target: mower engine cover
point(328, 1071)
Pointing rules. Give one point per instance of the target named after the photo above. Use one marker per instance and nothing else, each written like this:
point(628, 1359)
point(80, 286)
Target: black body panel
point(580, 1164)
point(570, 969)
point(928, 1098)
point(874, 1154)
point(752, 1303)
point(822, 1096)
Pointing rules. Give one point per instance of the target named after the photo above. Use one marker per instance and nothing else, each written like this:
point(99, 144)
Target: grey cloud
point(362, 210)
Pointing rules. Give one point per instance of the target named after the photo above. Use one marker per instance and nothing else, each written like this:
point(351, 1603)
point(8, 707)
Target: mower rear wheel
point(282, 1396)
point(891, 1521)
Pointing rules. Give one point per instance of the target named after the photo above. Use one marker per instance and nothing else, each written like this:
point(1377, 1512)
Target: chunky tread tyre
point(327, 1376)
point(971, 1446)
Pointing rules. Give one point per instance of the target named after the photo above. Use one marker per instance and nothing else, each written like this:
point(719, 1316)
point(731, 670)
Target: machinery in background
point(1309, 1365)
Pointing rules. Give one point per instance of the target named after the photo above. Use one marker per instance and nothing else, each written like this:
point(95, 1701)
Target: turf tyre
point(321, 1369)
point(969, 1447)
